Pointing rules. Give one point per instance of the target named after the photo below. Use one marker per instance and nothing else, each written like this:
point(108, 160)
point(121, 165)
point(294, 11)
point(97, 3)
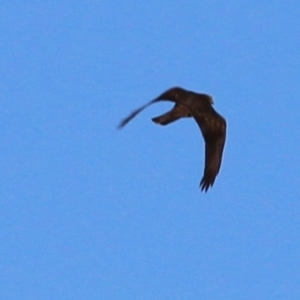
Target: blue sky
point(90, 212)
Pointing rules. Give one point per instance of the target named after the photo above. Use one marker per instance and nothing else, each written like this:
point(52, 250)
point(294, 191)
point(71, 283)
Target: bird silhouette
point(212, 125)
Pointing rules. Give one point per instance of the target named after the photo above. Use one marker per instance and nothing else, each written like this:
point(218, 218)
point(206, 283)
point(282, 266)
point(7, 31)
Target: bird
point(212, 125)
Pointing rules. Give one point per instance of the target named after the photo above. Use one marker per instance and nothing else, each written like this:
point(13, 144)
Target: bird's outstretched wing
point(169, 95)
point(213, 158)
point(214, 145)
point(134, 113)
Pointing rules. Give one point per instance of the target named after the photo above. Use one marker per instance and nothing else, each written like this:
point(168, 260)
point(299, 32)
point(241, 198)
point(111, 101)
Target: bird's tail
point(166, 118)
point(177, 112)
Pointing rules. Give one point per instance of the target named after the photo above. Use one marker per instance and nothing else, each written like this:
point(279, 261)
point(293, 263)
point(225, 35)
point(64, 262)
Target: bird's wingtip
point(205, 185)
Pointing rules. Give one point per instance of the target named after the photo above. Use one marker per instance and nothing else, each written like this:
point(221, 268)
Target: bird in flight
point(212, 125)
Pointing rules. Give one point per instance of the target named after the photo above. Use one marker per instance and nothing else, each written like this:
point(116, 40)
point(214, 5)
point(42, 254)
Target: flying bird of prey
point(212, 125)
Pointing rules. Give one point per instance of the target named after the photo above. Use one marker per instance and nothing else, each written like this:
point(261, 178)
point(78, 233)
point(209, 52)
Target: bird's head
point(210, 99)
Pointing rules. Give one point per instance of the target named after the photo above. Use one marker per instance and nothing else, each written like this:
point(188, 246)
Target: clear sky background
point(91, 212)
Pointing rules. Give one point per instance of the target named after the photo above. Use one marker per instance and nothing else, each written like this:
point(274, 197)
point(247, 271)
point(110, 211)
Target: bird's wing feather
point(213, 157)
point(167, 96)
point(134, 113)
point(213, 128)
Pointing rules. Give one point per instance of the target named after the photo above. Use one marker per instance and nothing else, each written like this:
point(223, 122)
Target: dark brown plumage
point(212, 125)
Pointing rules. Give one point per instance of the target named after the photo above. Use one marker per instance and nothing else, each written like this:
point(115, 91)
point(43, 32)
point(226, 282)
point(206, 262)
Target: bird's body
point(212, 125)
